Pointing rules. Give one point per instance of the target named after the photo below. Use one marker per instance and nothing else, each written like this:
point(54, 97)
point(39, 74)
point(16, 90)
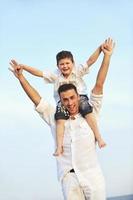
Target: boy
point(68, 73)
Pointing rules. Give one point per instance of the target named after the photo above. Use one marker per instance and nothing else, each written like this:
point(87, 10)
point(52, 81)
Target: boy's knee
point(85, 109)
point(61, 113)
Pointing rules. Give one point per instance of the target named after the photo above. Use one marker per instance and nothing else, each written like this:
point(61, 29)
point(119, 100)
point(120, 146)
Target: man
point(78, 168)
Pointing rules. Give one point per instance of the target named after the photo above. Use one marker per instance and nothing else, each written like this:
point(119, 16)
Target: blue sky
point(33, 32)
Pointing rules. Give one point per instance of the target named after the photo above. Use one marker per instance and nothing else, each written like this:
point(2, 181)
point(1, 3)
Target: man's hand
point(108, 46)
point(16, 68)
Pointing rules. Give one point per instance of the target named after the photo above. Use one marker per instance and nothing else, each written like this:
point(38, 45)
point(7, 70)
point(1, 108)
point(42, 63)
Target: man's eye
point(72, 98)
point(64, 100)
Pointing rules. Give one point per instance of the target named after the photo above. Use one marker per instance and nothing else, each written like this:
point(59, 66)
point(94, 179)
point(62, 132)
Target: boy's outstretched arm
point(107, 49)
point(29, 90)
point(93, 58)
point(31, 70)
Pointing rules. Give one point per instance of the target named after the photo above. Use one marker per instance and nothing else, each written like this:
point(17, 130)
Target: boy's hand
point(108, 46)
point(16, 68)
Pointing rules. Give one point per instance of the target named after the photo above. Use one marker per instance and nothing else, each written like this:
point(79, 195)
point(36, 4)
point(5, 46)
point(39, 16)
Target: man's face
point(65, 65)
point(70, 99)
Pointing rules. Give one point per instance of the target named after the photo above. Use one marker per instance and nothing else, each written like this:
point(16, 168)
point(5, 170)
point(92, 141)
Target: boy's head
point(64, 54)
point(65, 62)
point(69, 98)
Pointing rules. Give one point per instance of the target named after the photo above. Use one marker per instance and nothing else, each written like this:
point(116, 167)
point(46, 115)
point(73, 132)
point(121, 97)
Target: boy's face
point(65, 65)
point(70, 100)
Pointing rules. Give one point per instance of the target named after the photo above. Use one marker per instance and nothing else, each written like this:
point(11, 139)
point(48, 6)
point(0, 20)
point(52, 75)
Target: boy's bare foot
point(58, 151)
point(101, 143)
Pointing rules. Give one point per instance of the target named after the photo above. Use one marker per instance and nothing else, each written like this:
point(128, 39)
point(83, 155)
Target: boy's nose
point(65, 65)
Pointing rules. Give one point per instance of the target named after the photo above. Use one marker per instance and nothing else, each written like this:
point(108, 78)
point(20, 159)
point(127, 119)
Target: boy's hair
point(64, 54)
point(67, 86)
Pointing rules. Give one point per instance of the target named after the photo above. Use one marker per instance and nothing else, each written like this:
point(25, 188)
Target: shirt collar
point(75, 116)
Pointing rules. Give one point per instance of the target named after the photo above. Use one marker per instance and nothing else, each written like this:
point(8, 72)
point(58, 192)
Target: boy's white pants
point(73, 191)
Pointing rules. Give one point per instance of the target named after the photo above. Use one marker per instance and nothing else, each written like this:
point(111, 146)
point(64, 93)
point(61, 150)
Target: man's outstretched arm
point(29, 90)
point(107, 49)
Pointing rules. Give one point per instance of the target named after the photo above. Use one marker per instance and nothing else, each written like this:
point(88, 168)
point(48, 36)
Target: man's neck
point(73, 116)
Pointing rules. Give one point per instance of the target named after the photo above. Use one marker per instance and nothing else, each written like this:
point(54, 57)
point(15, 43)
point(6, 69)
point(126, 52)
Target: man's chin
point(72, 111)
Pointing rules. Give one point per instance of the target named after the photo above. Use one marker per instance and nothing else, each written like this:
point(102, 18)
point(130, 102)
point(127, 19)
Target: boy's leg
point(59, 137)
point(61, 116)
point(91, 120)
point(71, 188)
point(86, 111)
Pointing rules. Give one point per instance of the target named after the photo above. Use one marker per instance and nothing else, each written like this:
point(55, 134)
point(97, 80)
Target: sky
point(33, 32)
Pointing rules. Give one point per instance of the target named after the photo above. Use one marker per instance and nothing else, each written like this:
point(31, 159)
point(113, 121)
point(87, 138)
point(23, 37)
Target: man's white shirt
point(79, 144)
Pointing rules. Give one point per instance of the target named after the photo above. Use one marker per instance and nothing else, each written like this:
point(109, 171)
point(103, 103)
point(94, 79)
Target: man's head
point(69, 98)
point(65, 62)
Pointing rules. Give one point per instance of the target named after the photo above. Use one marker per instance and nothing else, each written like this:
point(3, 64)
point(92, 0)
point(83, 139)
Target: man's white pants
point(73, 191)
point(71, 188)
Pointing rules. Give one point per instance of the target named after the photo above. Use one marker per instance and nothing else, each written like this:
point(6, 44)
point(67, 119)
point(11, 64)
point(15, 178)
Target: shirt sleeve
point(49, 77)
point(46, 111)
point(83, 70)
point(96, 102)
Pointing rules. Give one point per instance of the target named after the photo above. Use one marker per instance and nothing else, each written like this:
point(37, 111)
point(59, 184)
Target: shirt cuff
point(96, 95)
point(41, 106)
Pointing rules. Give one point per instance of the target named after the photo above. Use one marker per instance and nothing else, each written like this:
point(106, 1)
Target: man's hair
point(64, 54)
point(67, 86)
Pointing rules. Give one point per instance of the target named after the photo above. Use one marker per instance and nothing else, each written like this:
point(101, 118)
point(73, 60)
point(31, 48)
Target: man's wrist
point(20, 77)
point(108, 54)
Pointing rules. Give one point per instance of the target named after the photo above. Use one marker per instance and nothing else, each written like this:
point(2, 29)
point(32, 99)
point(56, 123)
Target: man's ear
point(78, 97)
point(60, 99)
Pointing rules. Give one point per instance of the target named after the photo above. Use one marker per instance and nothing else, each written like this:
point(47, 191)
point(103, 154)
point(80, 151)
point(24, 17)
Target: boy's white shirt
point(75, 78)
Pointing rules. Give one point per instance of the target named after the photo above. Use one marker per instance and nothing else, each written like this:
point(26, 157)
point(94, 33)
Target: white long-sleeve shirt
point(76, 78)
point(79, 145)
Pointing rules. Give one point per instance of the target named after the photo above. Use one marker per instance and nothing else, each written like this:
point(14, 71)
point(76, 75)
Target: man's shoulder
point(45, 108)
point(96, 102)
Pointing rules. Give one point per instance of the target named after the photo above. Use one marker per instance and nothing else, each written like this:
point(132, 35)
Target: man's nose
point(70, 102)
